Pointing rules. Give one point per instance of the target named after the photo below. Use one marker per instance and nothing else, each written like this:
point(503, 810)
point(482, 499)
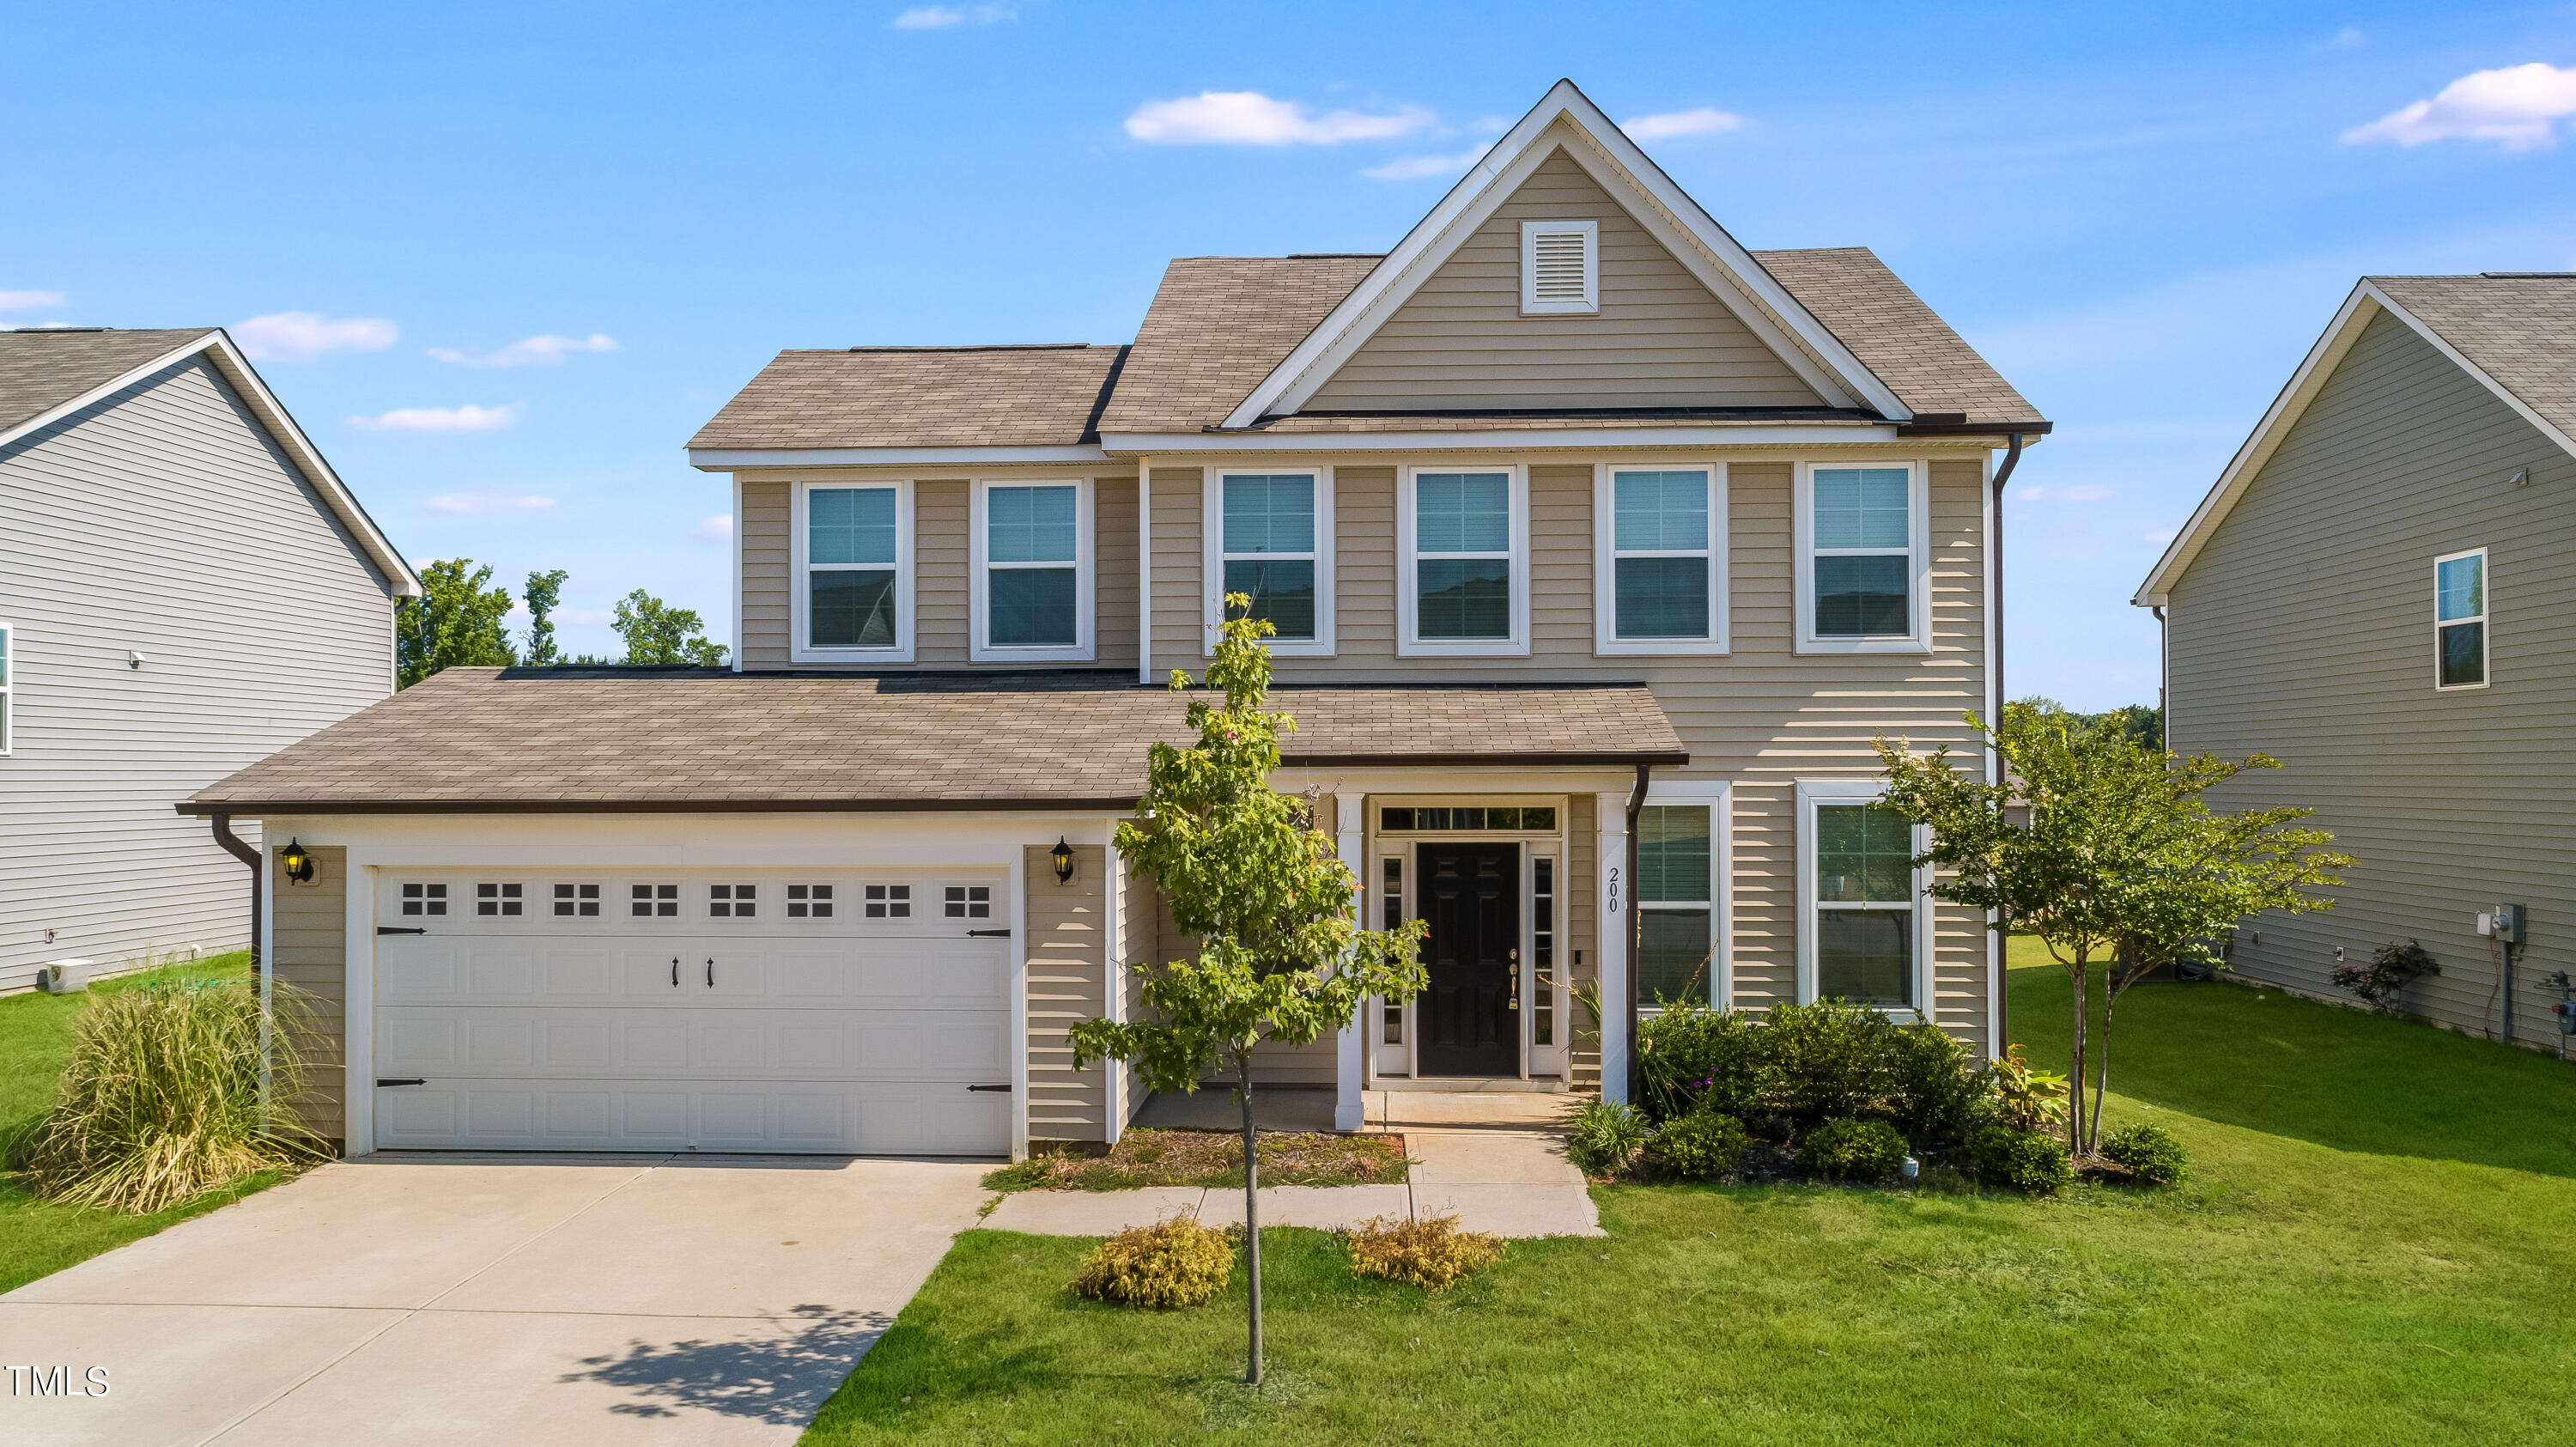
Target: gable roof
point(1902, 341)
point(2513, 332)
point(1218, 325)
point(50, 373)
point(1015, 397)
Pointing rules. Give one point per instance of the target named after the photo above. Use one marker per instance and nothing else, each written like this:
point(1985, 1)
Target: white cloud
point(440, 419)
point(296, 336)
point(1697, 121)
point(1414, 168)
point(547, 348)
point(941, 17)
point(718, 529)
point(2084, 492)
point(1249, 118)
point(2517, 107)
point(476, 504)
point(11, 301)
point(2348, 38)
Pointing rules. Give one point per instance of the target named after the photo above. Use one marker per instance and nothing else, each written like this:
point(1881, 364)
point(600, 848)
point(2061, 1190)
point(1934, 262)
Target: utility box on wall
point(63, 977)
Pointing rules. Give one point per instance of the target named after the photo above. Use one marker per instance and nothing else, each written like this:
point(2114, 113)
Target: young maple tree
point(1282, 955)
point(2121, 859)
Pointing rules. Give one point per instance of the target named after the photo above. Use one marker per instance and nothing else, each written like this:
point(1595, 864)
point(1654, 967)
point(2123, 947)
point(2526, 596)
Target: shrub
point(1851, 1150)
point(1828, 1059)
point(2026, 1160)
point(1690, 1057)
point(161, 1099)
point(1170, 1263)
point(1701, 1146)
point(1427, 1251)
point(2386, 977)
point(1606, 1137)
point(2150, 1152)
point(2024, 1099)
point(1930, 1090)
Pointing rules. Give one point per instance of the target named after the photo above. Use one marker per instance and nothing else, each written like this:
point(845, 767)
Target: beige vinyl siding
point(2304, 629)
point(1660, 338)
point(1180, 616)
point(310, 941)
point(161, 520)
point(768, 559)
point(1068, 951)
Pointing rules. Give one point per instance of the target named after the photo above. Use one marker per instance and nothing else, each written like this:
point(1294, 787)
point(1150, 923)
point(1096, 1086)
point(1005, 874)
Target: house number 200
point(1614, 889)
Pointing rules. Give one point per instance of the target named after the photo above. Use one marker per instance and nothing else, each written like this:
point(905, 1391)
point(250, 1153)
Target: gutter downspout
point(1995, 945)
point(240, 849)
point(1636, 933)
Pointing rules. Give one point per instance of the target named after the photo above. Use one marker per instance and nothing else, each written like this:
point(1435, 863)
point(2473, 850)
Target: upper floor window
point(854, 560)
point(1864, 540)
point(2460, 620)
point(1462, 548)
point(1032, 591)
point(1862, 936)
point(1560, 267)
point(1660, 560)
point(1271, 537)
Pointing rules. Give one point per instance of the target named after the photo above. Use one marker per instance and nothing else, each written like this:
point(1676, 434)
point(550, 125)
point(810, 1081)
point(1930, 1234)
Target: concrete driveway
point(489, 1299)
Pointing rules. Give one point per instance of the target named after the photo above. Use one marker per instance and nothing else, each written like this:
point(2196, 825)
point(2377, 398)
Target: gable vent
point(1560, 267)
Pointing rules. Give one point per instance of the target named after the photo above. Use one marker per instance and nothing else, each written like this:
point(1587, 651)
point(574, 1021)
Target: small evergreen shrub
point(1428, 1251)
point(1690, 1057)
point(2150, 1152)
point(1930, 1090)
point(2391, 969)
point(1171, 1263)
point(2026, 1160)
point(1851, 1150)
point(1606, 1137)
point(1701, 1146)
point(1829, 1059)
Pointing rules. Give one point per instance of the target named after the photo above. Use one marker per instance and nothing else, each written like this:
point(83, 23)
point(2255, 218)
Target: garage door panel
point(838, 1117)
point(940, 1045)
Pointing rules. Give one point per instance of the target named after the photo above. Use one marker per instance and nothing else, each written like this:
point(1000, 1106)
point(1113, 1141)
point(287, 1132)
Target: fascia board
point(1586, 439)
point(726, 459)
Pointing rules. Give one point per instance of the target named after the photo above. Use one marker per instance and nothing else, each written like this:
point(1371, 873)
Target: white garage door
point(652, 1011)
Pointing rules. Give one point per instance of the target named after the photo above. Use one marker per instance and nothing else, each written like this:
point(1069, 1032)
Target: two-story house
point(1599, 548)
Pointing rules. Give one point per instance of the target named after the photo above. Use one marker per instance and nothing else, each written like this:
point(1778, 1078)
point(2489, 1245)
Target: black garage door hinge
point(400, 1080)
point(1004, 1089)
point(988, 934)
point(397, 929)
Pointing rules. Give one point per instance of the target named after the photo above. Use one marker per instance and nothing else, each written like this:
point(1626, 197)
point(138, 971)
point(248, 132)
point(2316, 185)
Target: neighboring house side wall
point(2304, 629)
point(164, 521)
point(311, 940)
point(1068, 941)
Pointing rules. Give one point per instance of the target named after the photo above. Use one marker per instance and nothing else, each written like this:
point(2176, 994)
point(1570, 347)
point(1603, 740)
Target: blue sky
point(592, 223)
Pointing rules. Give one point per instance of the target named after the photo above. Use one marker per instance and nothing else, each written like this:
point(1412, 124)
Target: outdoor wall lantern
point(297, 864)
point(1062, 854)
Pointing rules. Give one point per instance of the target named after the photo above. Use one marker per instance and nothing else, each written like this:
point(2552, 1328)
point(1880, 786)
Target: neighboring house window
point(1032, 597)
point(854, 554)
point(1863, 547)
point(1863, 934)
point(1463, 546)
point(1660, 560)
point(1560, 268)
point(1271, 536)
point(2460, 620)
point(8, 691)
point(1680, 879)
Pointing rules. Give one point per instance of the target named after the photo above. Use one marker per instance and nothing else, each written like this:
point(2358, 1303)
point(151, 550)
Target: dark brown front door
point(1470, 1016)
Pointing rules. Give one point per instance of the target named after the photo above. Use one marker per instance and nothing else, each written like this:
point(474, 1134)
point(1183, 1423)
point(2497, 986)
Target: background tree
point(2141, 721)
point(454, 622)
point(2121, 858)
point(1282, 954)
point(656, 632)
point(544, 590)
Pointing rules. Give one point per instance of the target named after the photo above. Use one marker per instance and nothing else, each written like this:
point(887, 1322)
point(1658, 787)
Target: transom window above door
point(1863, 542)
point(1660, 560)
point(854, 554)
point(1463, 550)
point(1270, 537)
point(1032, 593)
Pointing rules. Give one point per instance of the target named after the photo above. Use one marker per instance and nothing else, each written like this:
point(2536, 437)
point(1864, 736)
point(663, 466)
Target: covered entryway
point(643, 1010)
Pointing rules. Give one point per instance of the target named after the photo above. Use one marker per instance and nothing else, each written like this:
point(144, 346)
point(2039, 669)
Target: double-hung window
point(1271, 538)
point(1462, 544)
point(854, 551)
point(1659, 563)
point(1032, 593)
point(1864, 542)
point(2460, 620)
point(1862, 936)
point(1681, 956)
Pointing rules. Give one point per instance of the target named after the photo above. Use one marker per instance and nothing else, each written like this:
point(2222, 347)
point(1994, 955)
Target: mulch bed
point(1207, 1158)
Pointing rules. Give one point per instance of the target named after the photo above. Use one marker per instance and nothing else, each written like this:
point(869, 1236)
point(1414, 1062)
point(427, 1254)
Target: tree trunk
point(2114, 985)
point(2075, 1096)
point(1251, 1211)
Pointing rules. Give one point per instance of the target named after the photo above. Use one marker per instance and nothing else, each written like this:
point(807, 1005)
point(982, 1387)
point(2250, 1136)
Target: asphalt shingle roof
point(2520, 330)
point(1034, 396)
point(1926, 364)
point(484, 739)
point(1217, 326)
point(41, 368)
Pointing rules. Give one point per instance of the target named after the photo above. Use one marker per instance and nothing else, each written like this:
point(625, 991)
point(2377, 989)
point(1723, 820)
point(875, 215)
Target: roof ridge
point(984, 347)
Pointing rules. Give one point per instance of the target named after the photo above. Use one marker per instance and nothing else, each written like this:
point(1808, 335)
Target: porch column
point(1350, 818)
point(1611, 873)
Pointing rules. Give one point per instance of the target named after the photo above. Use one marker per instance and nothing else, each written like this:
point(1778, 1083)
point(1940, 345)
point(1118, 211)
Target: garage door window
point(497, 899)
point(655, 900)
point(970, 901)
point(424, 899)
point(580, 901)
point(809, 901)
point(733, 901)
point(889, 901)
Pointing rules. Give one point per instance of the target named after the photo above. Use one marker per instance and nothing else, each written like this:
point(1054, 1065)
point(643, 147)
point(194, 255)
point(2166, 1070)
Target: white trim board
point(721, 459)
point(1521, 439)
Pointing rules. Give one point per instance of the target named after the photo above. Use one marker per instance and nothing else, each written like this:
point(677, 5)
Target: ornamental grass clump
point(2149, 1152)
point(1851, 1150)
point(1606, 1137)
point(1429, 1251)
point(1701, 1146)
point(1169, 1264)
point(163, 1098)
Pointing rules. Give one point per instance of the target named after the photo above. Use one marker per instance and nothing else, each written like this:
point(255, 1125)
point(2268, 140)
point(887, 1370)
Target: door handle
point(396, 929)
point(401, 1080)
point(978, 1089)
point(988, 934)
point(711, 972)
point(675, 972)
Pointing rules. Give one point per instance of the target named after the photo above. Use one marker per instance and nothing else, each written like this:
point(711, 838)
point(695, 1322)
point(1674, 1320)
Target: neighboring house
point(185, 587)
point(2380, 592)
point(1565, 498)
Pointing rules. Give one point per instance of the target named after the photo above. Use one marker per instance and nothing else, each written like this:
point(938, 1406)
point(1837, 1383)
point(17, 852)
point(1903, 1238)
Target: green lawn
point(39, 1237)
point(2379, 1248)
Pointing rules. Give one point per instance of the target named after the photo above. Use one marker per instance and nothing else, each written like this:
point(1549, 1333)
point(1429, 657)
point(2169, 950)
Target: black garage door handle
point(1004, 1089)
point(988, 934)
point(395, 929)
point(401, 1080)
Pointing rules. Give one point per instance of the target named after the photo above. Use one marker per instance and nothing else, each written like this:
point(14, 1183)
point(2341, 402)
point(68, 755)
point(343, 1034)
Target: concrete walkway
point(492, 1299)
point(1497, 1161)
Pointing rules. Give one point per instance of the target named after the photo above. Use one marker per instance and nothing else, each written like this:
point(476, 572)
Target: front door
point(1470, 1015)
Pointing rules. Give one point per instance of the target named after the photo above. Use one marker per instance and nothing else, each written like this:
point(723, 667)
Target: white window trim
point(1086, 603)
point(1213, 557)
point(800, 587)
point(1812, 792)
point(2483, 618)
point(1605, 555)
point(1531, 306)
point(9, 691)
point(1408, 596)
point(1719, 796)
point(1918, 514)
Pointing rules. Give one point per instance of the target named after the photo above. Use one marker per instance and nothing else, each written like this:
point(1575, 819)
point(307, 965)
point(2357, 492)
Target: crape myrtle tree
point(1282, 955)
point(2121, 859)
